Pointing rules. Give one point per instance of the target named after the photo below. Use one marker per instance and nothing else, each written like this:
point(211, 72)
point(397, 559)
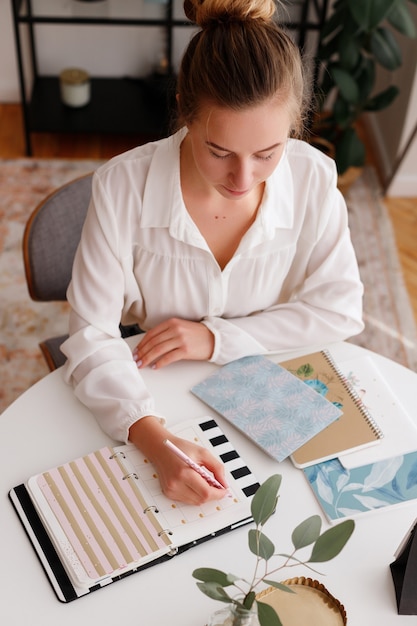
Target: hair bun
point(204, 12)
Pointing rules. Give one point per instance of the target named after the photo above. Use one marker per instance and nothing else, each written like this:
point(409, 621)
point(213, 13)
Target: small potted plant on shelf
point(357, 36)
point(247, 609)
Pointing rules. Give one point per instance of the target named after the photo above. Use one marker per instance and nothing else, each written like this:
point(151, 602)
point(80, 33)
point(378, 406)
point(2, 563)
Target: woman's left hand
point(174, 340)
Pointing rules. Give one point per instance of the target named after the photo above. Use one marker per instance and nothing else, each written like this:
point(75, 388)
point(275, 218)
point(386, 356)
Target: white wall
point(392, 128)
point(404, 178)
point(9, 86)
point(101, 50)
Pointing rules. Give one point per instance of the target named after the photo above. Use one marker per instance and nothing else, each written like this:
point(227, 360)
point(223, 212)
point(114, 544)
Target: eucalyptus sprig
point(325, 546)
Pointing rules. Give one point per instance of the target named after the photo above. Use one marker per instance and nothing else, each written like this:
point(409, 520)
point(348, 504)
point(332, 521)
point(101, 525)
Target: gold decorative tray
point(310, 604)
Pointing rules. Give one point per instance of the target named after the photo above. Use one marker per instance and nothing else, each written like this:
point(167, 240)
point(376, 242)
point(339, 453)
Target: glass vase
point(233, 615)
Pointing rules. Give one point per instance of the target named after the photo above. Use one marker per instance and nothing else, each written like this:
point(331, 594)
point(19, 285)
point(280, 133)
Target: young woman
point(228, 238)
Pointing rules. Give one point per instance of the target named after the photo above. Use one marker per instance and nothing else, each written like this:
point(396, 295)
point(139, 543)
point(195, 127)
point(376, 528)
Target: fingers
point(193, 489)
point(174, 340)
point(186, 483)
point(158, 356)
point(178, 480)
point(214, 466)
point(162, 341)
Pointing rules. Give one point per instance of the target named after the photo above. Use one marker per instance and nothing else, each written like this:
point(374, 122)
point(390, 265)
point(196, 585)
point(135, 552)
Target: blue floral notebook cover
point(348, 492)
point(271, 406)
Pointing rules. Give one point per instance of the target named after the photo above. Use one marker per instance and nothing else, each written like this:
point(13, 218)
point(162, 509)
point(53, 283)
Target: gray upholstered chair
point(50, 240)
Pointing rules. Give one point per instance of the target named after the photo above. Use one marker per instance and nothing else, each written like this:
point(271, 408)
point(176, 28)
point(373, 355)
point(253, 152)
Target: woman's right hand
point(178, 480)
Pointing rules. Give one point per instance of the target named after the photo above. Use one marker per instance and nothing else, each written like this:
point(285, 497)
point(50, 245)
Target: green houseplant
point(325, 546)
point(357, 36)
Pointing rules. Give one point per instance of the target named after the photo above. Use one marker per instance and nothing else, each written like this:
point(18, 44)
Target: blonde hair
point(241, 57)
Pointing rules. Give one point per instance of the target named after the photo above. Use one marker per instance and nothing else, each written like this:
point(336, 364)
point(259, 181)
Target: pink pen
point(198, 468)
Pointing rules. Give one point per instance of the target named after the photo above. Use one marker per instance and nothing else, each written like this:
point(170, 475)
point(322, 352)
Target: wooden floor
point(403, 211)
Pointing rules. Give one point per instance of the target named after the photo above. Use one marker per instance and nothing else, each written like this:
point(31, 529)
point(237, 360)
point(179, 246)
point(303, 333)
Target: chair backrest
point(51, 238)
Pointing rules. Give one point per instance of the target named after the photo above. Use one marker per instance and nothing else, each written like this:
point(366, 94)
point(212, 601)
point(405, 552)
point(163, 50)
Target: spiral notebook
point(103, 516)
point(356, 428)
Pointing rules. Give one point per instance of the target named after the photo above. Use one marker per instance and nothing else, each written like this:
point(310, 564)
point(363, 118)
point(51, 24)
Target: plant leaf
point(260, 545)
point(386, 49)
point(209, 574)
point(331, 542)
point(333, 23)
point(307, 532)
point(214, 591)
point(350, 151)
point(342, 112)
point(370, 13)
point(267, 615)
point(265, 499)
point(366, 79)
point(349, 51)
point(249, 600)
point(400, 18)
point(281, 586)
point(345, 83)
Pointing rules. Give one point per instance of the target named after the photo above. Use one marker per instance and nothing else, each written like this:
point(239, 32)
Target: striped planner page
point(103, 516)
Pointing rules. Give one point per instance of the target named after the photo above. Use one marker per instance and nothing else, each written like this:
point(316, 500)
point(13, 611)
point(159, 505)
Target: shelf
point(130, 12)
point(117, 105)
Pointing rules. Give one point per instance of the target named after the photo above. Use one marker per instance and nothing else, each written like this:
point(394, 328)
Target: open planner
point(103, 516)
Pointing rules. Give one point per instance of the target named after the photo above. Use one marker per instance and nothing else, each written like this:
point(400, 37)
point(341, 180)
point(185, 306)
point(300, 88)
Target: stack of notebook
point(350, 456)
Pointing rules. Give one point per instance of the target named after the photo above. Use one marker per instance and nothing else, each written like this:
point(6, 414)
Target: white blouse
point(292, 282)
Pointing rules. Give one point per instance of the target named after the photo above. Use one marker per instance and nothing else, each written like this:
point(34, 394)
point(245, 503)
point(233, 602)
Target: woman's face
point(236, 151)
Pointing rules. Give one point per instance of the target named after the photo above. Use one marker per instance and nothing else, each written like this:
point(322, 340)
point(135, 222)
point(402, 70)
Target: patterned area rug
point(390, 328)
point(23, 323)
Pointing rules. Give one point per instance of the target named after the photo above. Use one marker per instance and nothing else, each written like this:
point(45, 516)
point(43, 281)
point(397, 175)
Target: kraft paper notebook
point(103, 516)
point(267, 403)
point(356, 428)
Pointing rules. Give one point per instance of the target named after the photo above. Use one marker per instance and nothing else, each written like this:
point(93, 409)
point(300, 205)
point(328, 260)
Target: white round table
point(47, 426)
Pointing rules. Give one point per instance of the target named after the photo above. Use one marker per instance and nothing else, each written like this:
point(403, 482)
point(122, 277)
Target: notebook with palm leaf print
point(271, 406)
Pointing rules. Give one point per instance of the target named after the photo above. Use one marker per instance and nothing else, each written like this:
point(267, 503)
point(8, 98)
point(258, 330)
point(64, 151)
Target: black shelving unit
point(117, 105)
point(121, 104)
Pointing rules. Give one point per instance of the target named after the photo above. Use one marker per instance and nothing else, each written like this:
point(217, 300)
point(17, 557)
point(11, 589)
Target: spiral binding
point(354, 396)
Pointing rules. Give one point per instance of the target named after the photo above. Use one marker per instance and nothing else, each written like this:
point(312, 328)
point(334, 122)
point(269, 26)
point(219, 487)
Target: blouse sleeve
point(99, 362)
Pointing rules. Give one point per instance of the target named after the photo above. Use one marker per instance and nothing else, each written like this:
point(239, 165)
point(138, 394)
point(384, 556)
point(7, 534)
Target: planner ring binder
point(151, 507)
point(101, 517)
point(131, 475)
point(119, 453)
